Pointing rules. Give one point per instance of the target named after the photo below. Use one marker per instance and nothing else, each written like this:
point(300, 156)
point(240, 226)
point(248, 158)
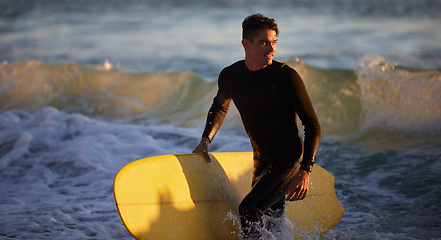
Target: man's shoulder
point(282, 66)
point(235, 66)
point(284, 70)
point(278, 64)
point(288, 76)
point(232, 71)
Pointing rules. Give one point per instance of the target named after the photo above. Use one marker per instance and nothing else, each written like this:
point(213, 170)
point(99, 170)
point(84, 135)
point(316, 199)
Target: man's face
point(260, 51)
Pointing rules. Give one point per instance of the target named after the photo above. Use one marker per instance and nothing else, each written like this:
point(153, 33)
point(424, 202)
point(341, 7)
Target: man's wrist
point(205, 136)
point(206, 141)
point(307, 166)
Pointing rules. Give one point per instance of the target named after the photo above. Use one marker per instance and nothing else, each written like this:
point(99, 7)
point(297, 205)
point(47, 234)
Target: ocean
point(87, 87)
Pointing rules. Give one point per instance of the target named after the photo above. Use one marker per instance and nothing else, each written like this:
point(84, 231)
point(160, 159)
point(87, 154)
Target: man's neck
point(254, 67)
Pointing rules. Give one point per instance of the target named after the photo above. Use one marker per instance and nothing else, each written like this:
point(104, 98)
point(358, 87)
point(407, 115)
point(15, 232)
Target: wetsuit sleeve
point(298, 98)
point(218, 110)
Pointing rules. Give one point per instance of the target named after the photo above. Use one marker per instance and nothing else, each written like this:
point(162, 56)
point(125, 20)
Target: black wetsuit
point(268, 101)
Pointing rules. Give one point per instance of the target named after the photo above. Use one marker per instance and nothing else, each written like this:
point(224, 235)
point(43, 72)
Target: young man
point(268, 95)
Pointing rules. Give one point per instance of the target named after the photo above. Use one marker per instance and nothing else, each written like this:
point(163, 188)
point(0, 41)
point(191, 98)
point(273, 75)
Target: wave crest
point(376, 96)
point(399, 99)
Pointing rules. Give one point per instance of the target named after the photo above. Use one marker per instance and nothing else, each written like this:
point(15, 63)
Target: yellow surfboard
point(184, 197)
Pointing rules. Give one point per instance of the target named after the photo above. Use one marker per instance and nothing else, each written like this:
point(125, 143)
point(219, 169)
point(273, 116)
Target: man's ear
point(246, 43)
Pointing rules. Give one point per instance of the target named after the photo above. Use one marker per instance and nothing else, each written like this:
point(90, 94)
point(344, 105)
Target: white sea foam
point(57, 171)
point(400, 99)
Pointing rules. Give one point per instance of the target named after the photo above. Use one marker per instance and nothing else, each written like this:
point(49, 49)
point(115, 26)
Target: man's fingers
point(301, 195)
point(207, 157)
point(204, 153)
point(298, 188)
point(296, 195)
point(292, 197)
point(292, 194)
point(203, 148)
point(289, 196)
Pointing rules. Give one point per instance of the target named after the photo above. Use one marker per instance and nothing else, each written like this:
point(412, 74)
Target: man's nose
point(271, 47)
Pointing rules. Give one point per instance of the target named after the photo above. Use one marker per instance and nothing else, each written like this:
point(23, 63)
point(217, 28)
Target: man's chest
point(255, 98)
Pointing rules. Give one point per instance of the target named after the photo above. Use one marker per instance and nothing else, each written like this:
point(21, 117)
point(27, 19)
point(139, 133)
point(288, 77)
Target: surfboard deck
point(183, 197)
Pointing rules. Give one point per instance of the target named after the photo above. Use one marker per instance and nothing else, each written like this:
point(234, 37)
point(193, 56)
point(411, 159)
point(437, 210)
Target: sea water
point(87, 87)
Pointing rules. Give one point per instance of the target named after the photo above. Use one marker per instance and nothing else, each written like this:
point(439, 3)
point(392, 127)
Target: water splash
point(399, 99)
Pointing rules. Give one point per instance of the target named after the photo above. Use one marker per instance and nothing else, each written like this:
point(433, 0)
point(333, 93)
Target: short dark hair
point(256, 22)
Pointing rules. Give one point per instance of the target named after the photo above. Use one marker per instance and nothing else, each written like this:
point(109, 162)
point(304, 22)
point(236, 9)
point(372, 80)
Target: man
point(268, 95)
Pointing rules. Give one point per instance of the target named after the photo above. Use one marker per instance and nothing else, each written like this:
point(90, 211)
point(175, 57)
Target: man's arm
point(299, 99)
point(215, 118)
point(301, 103)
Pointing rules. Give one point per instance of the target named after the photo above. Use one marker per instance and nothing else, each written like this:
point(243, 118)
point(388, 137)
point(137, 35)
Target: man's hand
point(203, 148)
point(298, 186)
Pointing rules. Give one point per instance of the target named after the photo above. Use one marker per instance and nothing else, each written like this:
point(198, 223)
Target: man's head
point(259, 38)
point(256, 22)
